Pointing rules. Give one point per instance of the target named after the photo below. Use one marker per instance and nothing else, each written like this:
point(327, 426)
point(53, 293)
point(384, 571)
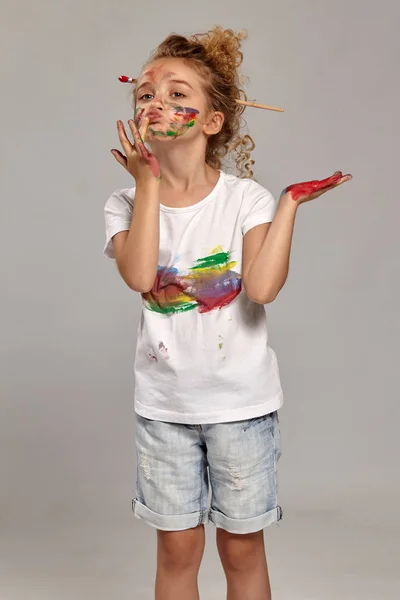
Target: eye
point(146, 97)
point(179, 95)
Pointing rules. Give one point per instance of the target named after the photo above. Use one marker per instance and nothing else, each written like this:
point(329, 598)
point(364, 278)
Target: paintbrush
point(125, 79)
point(145, 127)
point(255, 105)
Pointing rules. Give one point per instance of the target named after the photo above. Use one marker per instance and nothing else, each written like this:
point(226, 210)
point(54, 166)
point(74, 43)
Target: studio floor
point(313, 555)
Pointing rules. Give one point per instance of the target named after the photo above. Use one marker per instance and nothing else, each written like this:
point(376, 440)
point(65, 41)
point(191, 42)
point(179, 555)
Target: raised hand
point(138, 161)
point(309, 190)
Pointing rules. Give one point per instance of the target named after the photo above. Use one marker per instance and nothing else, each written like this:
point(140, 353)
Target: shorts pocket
point(258, 420)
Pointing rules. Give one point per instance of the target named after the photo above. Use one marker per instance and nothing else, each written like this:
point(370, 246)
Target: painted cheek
point(186, 117)
point(185, 110)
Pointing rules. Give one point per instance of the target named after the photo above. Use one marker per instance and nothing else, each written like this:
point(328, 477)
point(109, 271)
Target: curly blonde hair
point(217, 56)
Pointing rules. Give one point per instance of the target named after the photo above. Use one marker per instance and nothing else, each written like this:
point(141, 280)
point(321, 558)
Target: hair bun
point(223, 50)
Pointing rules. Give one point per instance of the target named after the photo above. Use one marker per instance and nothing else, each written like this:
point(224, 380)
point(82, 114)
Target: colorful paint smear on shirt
point(210, 284)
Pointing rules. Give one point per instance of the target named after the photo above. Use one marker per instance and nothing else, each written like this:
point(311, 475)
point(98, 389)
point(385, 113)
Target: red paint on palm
point(307, 188)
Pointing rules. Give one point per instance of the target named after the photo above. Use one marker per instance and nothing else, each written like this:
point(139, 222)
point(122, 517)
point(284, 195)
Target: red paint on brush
point(307, 188)
point(124, 78)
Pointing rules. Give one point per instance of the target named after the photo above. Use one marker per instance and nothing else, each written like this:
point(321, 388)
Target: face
point(170, 94)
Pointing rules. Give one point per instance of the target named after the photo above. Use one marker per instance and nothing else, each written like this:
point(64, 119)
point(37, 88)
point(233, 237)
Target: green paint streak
point(180, 130)
point(171, 309)
point(214, 260)
point(162, 133)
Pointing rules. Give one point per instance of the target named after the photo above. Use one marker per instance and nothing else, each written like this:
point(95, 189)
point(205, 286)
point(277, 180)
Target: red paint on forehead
point(151, 73)
point(154, 71)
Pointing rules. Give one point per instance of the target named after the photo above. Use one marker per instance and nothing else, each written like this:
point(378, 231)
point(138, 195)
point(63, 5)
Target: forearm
point(269, 269)
point(138, 259)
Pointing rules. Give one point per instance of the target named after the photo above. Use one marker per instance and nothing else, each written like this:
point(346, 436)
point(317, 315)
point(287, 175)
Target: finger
point(139, 145)
point(125, 143)
point(334, 185)
point(331, 181)
point(143, 129)
point(343, 180)
point(119, 157)
point(135, 133)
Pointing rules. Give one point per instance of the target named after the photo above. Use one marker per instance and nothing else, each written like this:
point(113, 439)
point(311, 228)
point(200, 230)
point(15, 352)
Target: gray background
point(67, 471)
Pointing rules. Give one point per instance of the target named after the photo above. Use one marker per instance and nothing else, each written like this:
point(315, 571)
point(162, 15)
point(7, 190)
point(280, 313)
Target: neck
point(182, 169)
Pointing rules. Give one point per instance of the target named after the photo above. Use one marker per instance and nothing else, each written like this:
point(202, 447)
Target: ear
point(214, 123)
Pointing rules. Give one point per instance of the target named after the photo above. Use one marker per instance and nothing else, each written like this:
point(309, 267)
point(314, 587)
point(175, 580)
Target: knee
point(181, 550)
point(240, 552)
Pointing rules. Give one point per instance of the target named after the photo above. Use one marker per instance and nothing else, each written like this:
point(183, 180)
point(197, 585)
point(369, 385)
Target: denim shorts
point(226, 473)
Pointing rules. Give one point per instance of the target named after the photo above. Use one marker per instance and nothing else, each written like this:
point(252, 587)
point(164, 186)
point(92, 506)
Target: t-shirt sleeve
point(118, 216)
point(259, 206)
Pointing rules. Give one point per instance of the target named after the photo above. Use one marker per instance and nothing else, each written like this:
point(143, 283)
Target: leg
point(179, 556)
point(172, 490)
point(243, 457)
point(245, 565)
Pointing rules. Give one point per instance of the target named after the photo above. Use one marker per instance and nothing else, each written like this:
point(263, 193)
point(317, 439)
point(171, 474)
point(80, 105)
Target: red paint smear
point(309, 187)
point(208, 304)
point(169, 286)
point(139, 116)
point(152, 73)
point(186, 117)
point(150, 159)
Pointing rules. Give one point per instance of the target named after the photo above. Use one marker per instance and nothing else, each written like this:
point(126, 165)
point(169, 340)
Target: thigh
point(243, 460)
point(171, 468)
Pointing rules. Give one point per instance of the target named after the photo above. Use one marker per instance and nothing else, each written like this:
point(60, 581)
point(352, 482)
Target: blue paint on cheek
point(185, 110)
point(191, 110)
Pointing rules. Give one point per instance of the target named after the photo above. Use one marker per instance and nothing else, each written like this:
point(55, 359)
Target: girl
point(206, 250)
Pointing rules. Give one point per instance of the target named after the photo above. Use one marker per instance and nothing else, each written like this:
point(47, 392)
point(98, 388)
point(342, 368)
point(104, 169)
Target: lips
point(154, 116)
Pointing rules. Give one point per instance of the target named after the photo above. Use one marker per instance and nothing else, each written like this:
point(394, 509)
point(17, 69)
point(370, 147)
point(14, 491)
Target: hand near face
point(138, 161)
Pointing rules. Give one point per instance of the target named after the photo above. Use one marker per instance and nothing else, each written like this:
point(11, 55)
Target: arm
point(266, 248)
point(266, 257)
point(136, 251)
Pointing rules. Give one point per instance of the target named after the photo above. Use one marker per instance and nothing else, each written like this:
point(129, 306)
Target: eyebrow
point(180, 81)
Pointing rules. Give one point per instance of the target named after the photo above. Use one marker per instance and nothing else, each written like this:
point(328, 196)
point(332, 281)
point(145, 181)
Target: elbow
point(142, 287)
point(263, 292)
point(139, 280)
point(260, 296)
point(139, 283)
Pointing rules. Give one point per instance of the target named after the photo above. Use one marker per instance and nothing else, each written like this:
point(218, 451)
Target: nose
point(158, 104)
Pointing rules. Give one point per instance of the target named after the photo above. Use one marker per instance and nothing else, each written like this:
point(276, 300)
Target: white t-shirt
point(202, 346)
